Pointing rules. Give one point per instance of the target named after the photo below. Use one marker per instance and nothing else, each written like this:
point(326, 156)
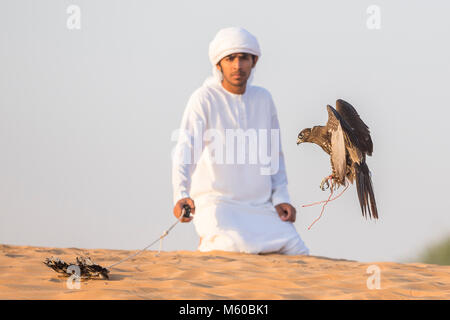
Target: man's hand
point(286, 212)
point(177, 210)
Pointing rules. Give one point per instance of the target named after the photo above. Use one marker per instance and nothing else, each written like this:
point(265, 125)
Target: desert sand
point(216, 275)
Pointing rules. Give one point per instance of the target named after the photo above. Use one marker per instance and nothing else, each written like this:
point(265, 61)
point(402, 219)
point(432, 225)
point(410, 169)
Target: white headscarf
point(228, 41)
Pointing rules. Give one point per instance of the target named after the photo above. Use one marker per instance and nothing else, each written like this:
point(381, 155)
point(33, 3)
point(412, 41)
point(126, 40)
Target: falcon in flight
point(346, 138)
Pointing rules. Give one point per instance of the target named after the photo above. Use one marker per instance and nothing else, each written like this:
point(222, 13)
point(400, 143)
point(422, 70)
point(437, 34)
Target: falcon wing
point(338, 160)
point(359, 128)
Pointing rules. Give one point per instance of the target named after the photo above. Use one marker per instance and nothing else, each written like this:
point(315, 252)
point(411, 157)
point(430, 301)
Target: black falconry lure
point(87, 269)
point(346, 138)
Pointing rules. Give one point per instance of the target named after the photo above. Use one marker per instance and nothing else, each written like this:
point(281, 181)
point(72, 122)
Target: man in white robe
point(237, 191)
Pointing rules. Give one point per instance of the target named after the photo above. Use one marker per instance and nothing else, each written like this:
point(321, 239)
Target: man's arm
point(280, 195)
point(186, 153)
point(280, 192)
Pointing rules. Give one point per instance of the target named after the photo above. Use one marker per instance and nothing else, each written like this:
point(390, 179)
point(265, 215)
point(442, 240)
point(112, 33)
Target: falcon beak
point(299, 141)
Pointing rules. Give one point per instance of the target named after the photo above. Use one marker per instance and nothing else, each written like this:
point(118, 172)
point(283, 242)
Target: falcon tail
point(365, 190)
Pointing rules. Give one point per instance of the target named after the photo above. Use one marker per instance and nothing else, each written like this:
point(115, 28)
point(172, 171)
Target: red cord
point(326, 201)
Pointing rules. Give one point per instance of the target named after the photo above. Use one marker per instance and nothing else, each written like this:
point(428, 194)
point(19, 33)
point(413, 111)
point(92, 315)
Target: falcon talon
point(334, 184)
point(324, 182)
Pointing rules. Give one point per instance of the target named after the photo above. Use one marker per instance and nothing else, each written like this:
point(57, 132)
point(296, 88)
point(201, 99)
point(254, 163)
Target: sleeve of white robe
point(280, 192)
point(188, 148)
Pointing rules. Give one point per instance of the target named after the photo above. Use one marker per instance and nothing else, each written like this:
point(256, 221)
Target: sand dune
point(216, 275)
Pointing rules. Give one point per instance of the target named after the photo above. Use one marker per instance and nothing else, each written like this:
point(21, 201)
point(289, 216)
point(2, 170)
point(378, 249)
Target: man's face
point(236, 68)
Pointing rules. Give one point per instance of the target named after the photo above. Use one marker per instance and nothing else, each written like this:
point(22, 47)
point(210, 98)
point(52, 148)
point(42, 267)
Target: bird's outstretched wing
point(353, 134)
point(359, 128)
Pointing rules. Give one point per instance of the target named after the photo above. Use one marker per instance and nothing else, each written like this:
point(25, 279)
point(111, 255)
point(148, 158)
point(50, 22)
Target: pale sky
point(86, 116)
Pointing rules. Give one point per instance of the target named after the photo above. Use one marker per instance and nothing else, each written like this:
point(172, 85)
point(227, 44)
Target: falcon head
point(303, 136)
